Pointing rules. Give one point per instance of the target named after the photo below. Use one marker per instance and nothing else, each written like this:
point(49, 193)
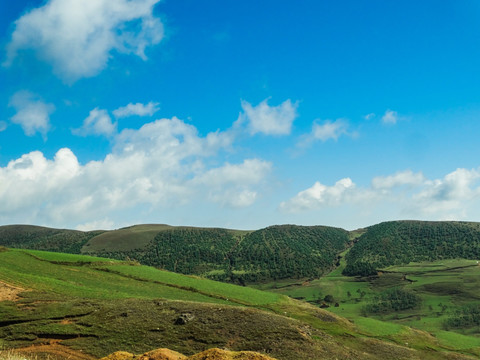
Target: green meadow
point(97, 306)
point(443, 286)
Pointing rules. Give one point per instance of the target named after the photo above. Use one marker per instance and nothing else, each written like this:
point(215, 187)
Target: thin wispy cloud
point(137, 109)
point(99, 123)
point(390, 117)
point(32, 113)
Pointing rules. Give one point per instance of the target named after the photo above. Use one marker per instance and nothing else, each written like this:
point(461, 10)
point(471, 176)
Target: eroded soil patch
point(9, 292)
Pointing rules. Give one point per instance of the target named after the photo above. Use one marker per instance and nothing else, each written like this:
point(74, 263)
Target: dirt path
point(9, 292)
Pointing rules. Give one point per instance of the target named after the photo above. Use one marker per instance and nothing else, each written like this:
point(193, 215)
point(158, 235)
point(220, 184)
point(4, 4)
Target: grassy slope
point(101, 306)
point(125, 239)
point(443, 286)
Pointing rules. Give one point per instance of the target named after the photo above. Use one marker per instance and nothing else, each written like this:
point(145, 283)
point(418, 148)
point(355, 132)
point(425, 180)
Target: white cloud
point(163, 165)
point(137, 109)
point(325, 131)
point(105, 224)
point(404, 194)
point(268, 120)
point(369, 116)
point(320, 195)
point(402, 178)
point(77, 37)
point(98, 122)
point(3, 126)
point(329, 130)
point(390, 117)
point(33, 115)
point(230, 184)
point(453, 192)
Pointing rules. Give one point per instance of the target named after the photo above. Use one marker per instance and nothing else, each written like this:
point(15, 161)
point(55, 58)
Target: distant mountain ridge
point(272, 253)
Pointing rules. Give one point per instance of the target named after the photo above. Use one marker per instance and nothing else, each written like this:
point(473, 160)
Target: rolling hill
point(90, 306)
point(276, 252)
point(402, 242)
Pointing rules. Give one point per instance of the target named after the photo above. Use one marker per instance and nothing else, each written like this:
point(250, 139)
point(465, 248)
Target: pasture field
point(444, 286)
point(98, 306)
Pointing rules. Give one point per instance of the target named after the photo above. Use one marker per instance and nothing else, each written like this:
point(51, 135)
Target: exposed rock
point(184, 318)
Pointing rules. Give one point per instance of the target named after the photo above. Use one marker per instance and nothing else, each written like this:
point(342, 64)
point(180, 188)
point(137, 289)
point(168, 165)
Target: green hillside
point(288, 251)
point(273, 253)
point(98, 305)
point(43, 238)
point(402, 242)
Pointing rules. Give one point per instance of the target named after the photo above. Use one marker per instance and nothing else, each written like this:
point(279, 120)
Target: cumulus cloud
point(33, 114)
point(402, 194)
point(230, 184)
point(320, 195)
point(98, 122)
point(77, 37)
point(452, 192)
point(162, 165)
point(268, 120)
point(390, 117)
point(137, 109)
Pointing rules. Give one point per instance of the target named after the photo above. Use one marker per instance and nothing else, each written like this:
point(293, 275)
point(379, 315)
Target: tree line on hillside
point(273, 253)
point(401, 242)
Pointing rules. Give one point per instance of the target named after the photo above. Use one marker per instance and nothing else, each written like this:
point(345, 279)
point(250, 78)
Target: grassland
point(443, 286)
point(99, 306)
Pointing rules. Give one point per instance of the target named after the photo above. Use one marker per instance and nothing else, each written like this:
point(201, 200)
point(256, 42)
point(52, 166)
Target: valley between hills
point(394, 290)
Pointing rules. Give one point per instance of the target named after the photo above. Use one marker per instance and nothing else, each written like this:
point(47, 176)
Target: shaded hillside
point(401, 242)
point(43, 238)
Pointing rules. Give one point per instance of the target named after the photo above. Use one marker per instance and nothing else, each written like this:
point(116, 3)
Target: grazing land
point(95, 306)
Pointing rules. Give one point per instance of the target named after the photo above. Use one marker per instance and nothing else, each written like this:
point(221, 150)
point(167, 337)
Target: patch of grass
point(229, 292)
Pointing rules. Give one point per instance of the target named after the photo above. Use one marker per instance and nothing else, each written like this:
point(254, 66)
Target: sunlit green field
point(443, 286)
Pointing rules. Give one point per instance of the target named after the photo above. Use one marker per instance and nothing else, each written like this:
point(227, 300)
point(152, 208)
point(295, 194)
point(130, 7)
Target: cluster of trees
point(289, 251)
point(391, 300)
point(401, 242)
point(464, 317)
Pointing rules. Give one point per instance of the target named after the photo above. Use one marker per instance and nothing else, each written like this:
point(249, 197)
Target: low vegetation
point(99, 306)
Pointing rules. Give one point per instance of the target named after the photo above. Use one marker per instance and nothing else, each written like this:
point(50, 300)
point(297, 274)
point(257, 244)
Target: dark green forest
point(42, 238)
point(401, 242)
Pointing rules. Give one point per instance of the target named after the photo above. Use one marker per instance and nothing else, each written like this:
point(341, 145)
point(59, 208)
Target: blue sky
point(238, 114)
